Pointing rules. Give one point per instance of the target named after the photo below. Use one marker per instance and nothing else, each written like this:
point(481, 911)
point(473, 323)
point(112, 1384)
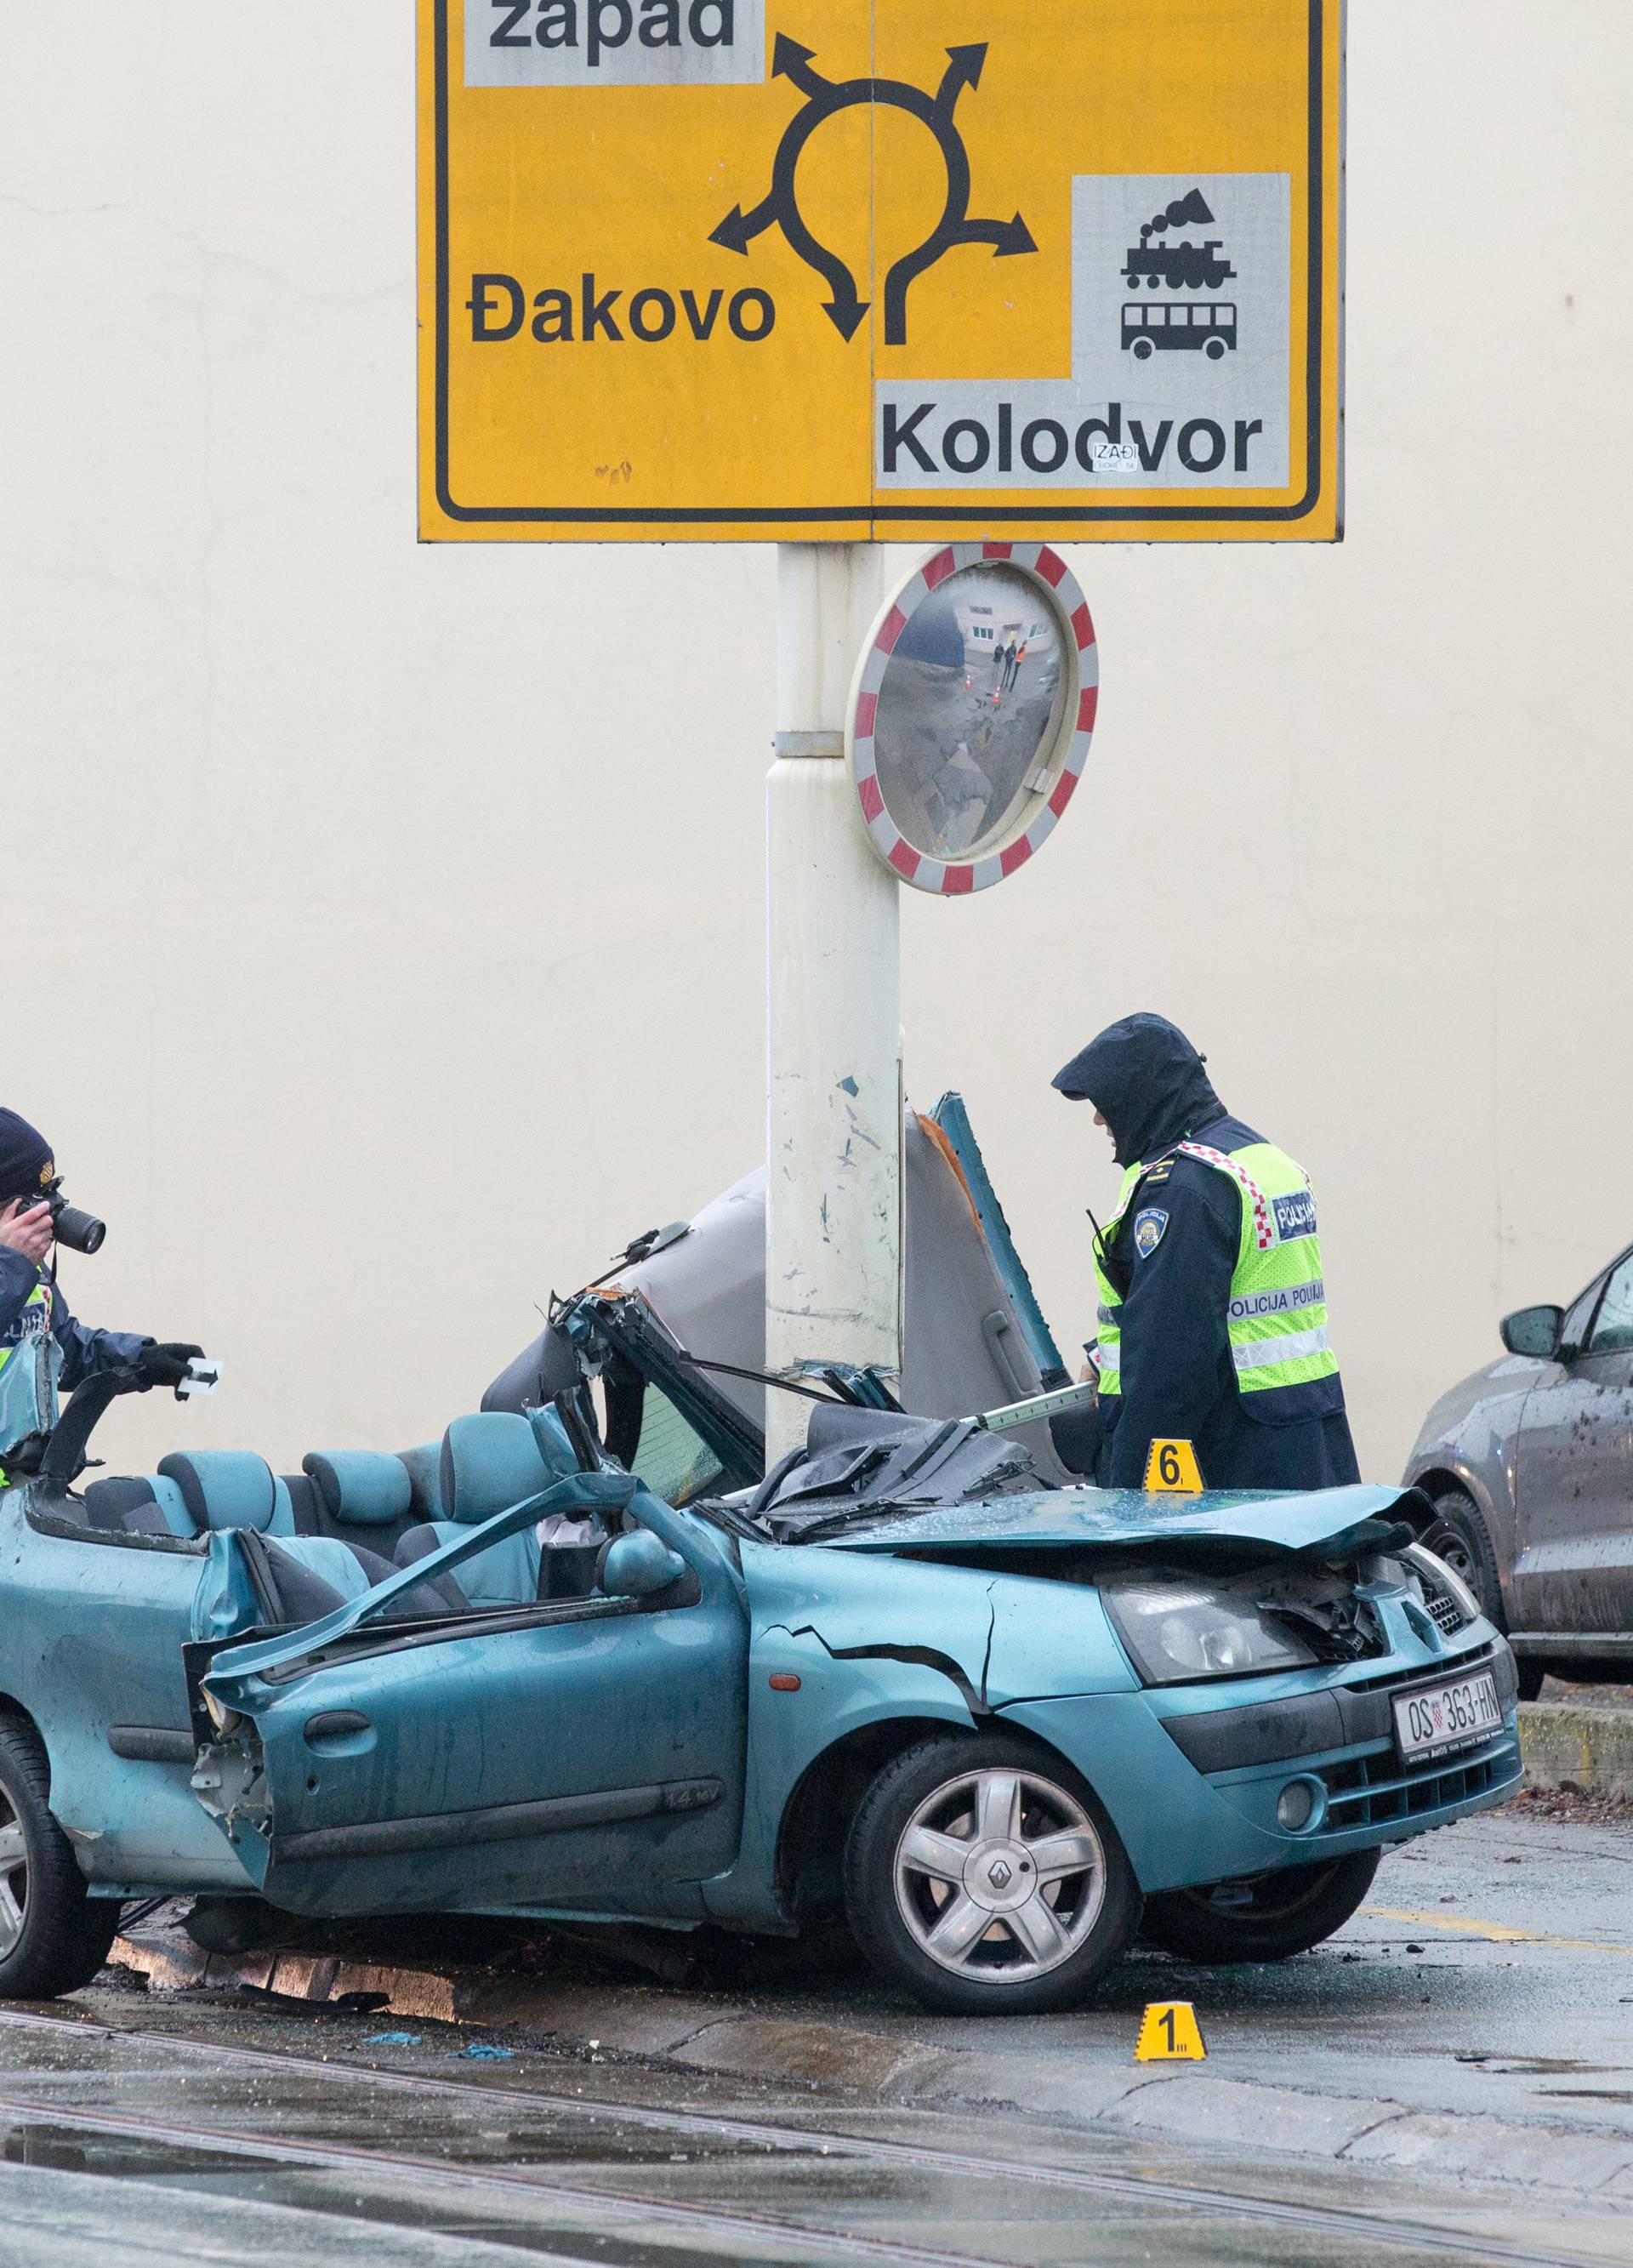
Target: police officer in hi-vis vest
point(1212, 1305)
point(41, 1346)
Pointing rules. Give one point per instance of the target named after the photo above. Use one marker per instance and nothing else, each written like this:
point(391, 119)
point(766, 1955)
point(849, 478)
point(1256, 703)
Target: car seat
point(491, 1461)
point(356, 1495)
point(309, 1574)
point(235, 1488)
point(230, 1488)
point(312, 1575)
point(423, 1467)
point(138, 1504)
point(191, 1493)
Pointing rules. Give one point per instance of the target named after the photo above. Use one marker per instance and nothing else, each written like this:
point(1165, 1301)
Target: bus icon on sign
point(1207, 329)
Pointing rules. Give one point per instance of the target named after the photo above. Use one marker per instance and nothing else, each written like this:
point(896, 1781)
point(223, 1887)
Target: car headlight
point(1441, 1582)
point(224, 1720)
point(1179, 1632)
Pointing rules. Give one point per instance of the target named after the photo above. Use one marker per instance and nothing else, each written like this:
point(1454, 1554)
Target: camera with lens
point(80, 1232)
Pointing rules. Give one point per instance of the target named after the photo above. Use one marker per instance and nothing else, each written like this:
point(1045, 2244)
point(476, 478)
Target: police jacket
point(1170, 1258)
point(42, 1346)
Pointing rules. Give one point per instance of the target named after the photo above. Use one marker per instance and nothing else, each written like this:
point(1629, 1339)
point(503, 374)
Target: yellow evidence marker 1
point(1172, 1469)
point(1169, 2033)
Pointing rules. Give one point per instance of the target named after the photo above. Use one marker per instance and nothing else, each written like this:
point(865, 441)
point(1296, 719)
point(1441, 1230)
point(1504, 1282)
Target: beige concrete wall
point(385, 923)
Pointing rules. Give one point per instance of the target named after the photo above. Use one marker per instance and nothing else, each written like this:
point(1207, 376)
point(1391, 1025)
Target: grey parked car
point(1530, 1466)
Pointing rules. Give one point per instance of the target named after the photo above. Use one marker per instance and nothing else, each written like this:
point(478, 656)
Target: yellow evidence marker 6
point(1169, 2033)
point(1171, 1468)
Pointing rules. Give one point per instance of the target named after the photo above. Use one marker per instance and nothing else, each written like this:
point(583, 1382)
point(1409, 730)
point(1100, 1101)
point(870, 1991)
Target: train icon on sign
point(1178, 326)
point(1151, 328)
point(1180, 266)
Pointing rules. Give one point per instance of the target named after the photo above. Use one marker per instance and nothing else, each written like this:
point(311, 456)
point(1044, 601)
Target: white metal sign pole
point(832, 995)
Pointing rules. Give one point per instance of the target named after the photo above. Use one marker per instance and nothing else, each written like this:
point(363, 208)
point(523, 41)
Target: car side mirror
point(639, 1564)
point(1532, 1331)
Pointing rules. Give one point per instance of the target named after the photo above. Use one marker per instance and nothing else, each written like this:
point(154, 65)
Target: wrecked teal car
point(997, 1724)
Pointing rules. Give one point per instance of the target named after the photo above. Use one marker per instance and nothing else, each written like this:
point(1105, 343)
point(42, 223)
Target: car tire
point(1031, 1928)
point(1531, 1674)
point(53, 1936)
point(1267, 1918)
point(1458, 1536)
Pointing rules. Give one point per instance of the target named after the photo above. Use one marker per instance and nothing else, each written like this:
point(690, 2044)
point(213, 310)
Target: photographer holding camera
point(40, 1344)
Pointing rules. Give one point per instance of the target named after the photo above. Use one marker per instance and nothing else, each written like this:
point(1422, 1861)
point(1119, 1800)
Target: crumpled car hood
point(1117, 1519)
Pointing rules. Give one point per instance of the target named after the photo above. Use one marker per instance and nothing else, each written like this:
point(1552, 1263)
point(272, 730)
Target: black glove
point(165, 1364)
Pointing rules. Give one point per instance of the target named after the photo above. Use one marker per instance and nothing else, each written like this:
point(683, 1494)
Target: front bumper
point(1193, 1789)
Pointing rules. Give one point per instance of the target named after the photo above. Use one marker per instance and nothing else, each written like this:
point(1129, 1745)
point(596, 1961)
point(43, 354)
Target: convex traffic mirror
point(971, 713)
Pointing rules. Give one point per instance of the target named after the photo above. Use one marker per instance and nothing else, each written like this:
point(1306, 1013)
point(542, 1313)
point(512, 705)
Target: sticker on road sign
point(858, 269)
point(1171, 1469)
point(1169, 2033)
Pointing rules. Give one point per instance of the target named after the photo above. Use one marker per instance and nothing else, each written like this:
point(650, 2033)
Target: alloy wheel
point(13, 1878)
point(999, 1875)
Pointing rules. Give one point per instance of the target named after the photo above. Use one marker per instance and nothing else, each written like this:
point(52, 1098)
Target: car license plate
point(1437, 1718)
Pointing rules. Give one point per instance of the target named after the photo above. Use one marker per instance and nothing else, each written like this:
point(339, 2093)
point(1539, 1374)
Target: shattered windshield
point(671, 1458)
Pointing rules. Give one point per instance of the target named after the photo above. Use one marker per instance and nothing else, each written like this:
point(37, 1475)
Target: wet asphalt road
point(1486, 1955)
point(196, 2128)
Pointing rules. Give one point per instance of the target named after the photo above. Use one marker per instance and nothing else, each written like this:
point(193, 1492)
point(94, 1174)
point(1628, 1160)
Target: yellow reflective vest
point(1277, 1315)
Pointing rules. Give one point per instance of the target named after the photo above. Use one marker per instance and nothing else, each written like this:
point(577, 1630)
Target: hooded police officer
point(41, 1346)
point(1212, 1304)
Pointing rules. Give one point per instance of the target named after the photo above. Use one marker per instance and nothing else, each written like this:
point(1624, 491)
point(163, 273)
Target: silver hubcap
point(13, 1879)
point(1000, 1875)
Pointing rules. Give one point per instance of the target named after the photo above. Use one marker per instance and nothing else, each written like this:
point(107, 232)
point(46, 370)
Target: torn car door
point(581, 1755)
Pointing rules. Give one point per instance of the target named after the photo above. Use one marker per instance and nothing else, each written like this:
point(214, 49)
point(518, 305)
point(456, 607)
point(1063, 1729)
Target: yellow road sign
point(1172, 1469)
point(1169, 2033)
point(854, 268)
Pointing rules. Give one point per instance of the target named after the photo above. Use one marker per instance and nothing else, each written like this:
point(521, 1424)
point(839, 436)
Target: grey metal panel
point(710, 1287)
point(965, 1350)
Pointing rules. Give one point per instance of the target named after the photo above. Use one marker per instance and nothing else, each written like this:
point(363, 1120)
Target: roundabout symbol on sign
point(780, 206)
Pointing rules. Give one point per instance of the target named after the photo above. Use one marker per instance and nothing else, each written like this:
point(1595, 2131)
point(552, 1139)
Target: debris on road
point(1580, 1807)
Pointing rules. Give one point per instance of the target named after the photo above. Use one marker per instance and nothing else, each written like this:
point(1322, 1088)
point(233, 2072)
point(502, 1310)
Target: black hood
point(1147, 1081)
